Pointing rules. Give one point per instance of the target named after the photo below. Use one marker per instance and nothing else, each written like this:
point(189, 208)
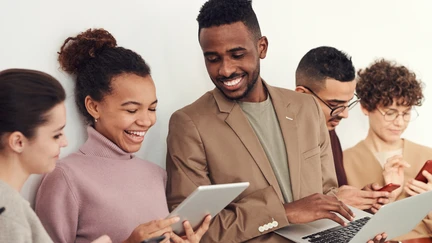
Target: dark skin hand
point(317, 206)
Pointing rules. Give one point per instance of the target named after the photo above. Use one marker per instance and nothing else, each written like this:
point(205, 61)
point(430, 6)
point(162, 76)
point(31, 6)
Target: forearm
point(246, 219)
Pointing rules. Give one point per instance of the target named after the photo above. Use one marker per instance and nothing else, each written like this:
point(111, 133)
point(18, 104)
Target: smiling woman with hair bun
point(104, 187)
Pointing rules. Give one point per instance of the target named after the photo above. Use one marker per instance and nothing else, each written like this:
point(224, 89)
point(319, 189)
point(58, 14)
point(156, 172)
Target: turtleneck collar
point(98, 145)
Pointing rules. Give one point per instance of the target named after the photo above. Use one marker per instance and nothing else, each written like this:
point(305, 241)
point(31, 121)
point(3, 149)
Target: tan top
point(383, 156)
point(262, 118)
point(363, 168)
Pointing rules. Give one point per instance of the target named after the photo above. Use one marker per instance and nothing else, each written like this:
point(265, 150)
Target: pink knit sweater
point(100, 190)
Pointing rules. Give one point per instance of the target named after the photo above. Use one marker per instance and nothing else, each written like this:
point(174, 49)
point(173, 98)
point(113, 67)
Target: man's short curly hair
point(221, 12)
point(384, 82)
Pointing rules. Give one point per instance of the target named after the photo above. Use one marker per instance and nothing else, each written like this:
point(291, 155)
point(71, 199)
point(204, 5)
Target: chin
point(132, 149)
point(392, 139)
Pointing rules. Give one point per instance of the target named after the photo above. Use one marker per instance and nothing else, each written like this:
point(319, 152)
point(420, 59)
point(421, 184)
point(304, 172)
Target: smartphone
point(154, 239)
point(389, 187)
point(427, 166)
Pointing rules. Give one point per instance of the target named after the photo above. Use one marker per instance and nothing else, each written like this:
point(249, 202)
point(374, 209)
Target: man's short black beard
point(249, 88)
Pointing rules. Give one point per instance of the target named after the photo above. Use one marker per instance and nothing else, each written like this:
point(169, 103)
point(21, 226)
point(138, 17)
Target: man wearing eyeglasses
point(329, 75)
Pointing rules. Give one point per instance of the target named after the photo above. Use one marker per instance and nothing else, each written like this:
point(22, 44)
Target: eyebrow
point(210, 53)
point(341, 101)
point(237, 49)
point(61, 128)
point(136, 103)
point(337, 101)
point(408, 109)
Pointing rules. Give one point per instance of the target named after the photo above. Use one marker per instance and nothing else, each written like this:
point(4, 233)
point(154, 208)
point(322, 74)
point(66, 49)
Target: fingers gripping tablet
point(209, 199)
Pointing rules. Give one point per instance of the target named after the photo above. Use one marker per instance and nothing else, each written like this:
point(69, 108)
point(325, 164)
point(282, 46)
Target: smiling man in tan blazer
point(247, 130)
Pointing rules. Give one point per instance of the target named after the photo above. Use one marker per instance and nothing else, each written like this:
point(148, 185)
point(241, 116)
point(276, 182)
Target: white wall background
point(164, 32)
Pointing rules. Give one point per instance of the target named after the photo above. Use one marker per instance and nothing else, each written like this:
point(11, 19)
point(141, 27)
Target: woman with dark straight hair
point(32, 118)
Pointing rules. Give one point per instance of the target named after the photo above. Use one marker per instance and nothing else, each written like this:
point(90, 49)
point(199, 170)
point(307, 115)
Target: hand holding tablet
point(205, 200)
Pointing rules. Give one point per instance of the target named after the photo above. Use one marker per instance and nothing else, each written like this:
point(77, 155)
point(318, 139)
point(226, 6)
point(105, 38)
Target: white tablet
point(210, 199)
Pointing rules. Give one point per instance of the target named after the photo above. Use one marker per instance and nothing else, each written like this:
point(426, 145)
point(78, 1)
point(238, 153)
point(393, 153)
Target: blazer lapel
point(239, 123)
point(288, 125)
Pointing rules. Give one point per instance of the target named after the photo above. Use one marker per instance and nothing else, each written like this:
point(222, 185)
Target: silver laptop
point(395, 219)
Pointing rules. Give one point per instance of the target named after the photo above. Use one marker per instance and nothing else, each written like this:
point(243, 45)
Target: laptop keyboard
point(338, 234)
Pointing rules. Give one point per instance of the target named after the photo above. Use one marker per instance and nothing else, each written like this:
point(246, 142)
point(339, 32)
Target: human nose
point(144, 119)
point(399, 120)
point(226, 68)
point(344, 114)
point(64, 142)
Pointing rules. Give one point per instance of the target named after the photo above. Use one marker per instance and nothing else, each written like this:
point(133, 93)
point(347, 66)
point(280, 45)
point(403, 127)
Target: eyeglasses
point(334, 111)
point(393, 114)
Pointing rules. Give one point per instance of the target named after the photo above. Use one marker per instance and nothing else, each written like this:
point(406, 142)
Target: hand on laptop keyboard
point(317, 206)
point(341, 234)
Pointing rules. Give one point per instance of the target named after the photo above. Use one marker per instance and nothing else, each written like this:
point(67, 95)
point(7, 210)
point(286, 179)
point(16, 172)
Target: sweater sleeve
point(57, 206)
point(12, 231)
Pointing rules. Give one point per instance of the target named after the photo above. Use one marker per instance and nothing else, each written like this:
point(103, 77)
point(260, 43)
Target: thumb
point(376, 186)
point(427, 175)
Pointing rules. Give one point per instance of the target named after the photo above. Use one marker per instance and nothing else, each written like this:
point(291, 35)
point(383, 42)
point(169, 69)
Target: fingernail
point(176, 219)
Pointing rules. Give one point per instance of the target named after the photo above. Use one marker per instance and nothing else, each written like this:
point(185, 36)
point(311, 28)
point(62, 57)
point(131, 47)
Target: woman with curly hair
point(389, 93)
point(104, 187)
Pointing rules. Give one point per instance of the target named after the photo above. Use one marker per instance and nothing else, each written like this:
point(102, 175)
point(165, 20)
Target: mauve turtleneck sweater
point(98, 190)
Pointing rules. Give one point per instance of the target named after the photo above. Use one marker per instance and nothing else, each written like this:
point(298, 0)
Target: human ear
point(93, 107)
point(364, 110)
point(17, 141)
point(262, 47)
point(301, 89)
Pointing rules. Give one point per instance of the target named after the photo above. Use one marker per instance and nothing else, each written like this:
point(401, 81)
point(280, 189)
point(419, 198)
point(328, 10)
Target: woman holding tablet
point(103, 187)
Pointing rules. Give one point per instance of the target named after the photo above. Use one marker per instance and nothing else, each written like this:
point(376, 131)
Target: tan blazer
point(362, 168)
point(212, 142)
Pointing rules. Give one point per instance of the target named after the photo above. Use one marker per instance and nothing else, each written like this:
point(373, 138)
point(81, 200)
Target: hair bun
point(77, 51)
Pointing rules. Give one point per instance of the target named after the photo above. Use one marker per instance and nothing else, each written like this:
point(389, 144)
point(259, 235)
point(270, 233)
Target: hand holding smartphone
point(389, 187)
point(428, 167)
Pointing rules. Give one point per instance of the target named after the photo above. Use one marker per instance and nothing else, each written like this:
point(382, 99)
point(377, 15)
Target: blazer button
point(261, 229)
point(275, 223)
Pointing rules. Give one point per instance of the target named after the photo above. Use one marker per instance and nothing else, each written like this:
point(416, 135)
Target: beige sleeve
point(187, 169)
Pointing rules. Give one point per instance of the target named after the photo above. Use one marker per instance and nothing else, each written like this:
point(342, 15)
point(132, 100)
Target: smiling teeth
point(141, 134)
point(232, 82)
